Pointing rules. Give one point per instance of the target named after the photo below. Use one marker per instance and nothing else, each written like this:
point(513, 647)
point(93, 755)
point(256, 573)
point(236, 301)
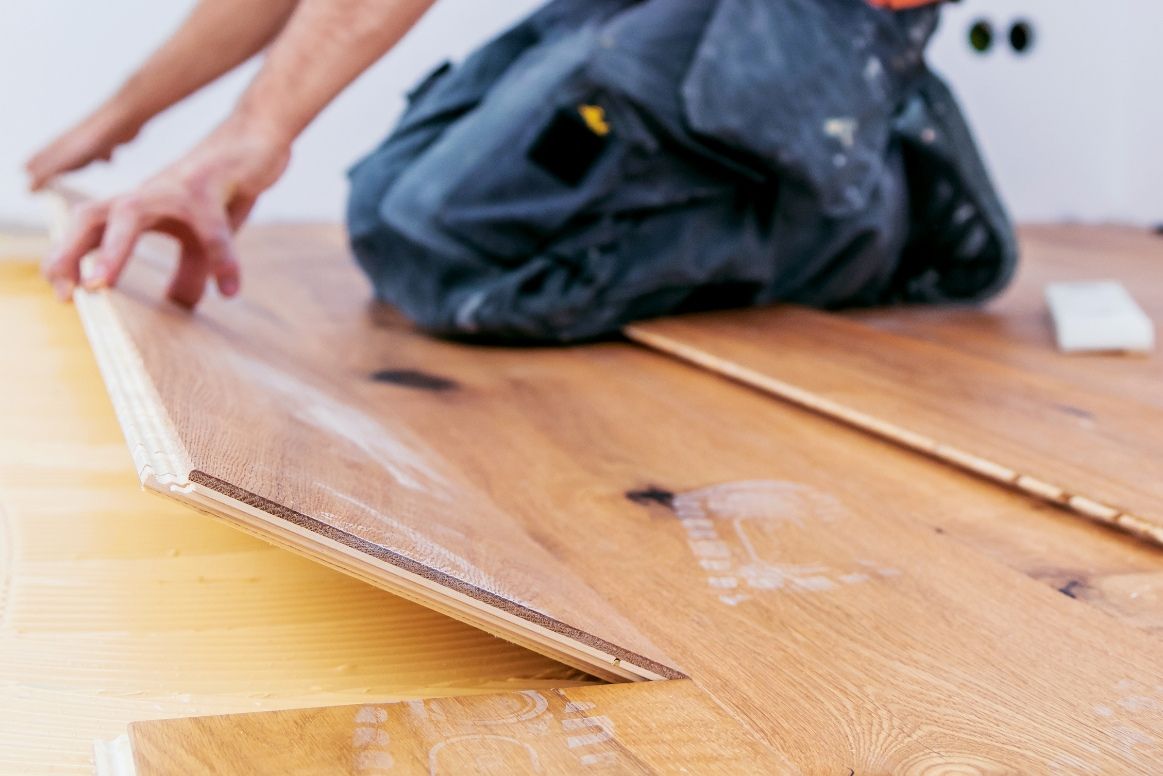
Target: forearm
point(206, 195)
point(324, 47)
point(216, 37)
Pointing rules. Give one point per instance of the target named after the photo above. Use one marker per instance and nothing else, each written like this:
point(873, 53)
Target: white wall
point(1068, 130)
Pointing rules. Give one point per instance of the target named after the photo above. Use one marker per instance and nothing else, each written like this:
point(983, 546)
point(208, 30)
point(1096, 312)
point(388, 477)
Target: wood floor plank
point(334, 461)
point(1120, 576)
point(118, 606)
point(661, 728)
point(786, 564)
point(1081, 448)
point(1016, 330)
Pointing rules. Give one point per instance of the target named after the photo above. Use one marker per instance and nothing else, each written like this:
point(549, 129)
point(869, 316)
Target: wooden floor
point(985, 389)
point(1093, 411)
point(853, 605)
point(1079, 447)
point(117, 606)
point(1015, 330)
point(673, 729)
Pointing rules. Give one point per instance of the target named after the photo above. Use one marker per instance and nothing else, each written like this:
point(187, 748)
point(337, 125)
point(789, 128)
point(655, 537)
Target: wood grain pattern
point(1121, 577)
point(662, 728)
point(787, 564)
point(118, 606)
point(1015, 329)
point(1093, 453)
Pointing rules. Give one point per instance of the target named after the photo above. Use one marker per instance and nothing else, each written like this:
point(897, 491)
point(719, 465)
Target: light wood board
point(1083, 449)
point(118, 606)
point(1016, 329)
point(788, 565)
point(667, 727)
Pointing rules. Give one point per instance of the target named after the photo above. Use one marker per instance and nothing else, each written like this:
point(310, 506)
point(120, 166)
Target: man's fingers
point(189, 281)
point(222, 261)
point(216, 240)
point(63, 267)
point(45, 166)
point(239, 209)
point(51, 162)
point(123, 227)
point(37, 175)
point(229, 277)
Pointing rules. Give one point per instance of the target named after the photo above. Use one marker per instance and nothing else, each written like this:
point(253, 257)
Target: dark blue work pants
point(611, 160)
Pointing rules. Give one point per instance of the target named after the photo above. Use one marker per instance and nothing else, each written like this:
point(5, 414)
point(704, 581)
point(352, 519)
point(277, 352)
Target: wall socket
point(1061, 95)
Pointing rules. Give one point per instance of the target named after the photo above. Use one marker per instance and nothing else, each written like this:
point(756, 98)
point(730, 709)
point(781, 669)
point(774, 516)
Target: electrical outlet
point(1060, 97)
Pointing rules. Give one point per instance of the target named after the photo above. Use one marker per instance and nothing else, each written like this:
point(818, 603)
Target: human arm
point(216, 37)
point(206, 195)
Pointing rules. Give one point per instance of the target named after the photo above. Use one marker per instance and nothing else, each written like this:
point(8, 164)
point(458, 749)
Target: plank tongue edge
point(423, 584)
point(660, 337)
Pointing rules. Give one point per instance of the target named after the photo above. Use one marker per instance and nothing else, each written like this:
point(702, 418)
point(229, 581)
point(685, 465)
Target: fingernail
point(91, 275)
point(63, 289)
point(228, 286)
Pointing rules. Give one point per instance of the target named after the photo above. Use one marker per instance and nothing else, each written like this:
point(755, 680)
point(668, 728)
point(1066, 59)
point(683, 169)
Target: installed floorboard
point(118, 606)
point(666, 727)
point(606, 501)
point(1015, 329)
point(1121, 577)
point(1095, 453)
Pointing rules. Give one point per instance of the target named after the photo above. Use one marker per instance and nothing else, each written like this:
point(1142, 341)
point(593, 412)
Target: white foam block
point(1098, 315)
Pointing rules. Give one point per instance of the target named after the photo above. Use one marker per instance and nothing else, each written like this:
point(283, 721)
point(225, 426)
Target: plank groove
point(1017, 427)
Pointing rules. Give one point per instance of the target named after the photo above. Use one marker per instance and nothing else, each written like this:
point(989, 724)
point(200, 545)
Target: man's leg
point(439, 101)
point(520, 220)
point(557, 209)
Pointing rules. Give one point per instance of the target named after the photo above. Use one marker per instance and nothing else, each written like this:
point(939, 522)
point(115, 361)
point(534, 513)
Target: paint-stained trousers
point(611, 160)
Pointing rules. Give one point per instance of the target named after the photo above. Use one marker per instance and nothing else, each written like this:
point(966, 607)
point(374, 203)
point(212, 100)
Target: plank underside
point(613, 499)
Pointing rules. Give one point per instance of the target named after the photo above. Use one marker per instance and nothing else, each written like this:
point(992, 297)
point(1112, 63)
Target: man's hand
point(201, 201)
point(93, 138)
point(203, 198)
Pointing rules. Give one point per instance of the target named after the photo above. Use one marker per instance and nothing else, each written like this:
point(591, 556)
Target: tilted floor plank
point(118, 606)
point(237, 425)
point(1083, 449)
point(785, 563)
point(664, 727)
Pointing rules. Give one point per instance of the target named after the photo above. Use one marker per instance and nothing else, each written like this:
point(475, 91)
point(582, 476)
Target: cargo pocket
point(568, 171)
